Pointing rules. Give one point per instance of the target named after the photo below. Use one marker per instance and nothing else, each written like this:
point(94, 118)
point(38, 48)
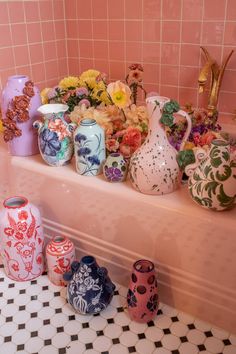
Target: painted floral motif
point(113, 174)
point(131, 299)
point(59, 127)
point(152, 304)
point(49, 143)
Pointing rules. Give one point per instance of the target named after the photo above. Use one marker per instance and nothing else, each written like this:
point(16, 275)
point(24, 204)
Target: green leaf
point(216, 162)
point(225, 175)
point(224, 199)
point(210, 188)
point(207, 169)
point(184, 158)
point(225, 155)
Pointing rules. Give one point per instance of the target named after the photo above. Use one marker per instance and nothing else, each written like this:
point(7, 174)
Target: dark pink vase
point(142, 297)
point(27, 143)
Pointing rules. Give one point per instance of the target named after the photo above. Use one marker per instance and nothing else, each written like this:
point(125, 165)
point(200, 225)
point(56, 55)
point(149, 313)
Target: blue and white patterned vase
point(115, 168)
point(90, 290)
point(89, 144)
point(55, 138)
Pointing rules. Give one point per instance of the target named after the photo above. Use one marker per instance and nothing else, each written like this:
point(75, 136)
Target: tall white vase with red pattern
point(60, 253)
point(21, 239)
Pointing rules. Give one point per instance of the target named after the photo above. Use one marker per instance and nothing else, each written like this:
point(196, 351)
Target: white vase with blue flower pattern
point(89, 146)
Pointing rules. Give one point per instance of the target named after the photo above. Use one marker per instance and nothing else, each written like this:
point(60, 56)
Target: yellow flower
point(99, 93)
point(120, 94)
point(88, 78)
point(44, 95)
point(189, 145)
point(1, 127)
point(68, 82)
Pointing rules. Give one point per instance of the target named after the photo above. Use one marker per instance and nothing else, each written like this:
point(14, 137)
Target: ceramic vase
point(153, 167)
point(142, 297)
point(60, 253)
point(19, 102)
point(90, 153)
point(115, 168)
point(212, 179)
point(90, 290)
point(21, 239)
point(55, 135)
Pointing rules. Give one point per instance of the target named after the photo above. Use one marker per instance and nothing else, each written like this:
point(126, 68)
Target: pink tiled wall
point(49, 39)
point(33, 41)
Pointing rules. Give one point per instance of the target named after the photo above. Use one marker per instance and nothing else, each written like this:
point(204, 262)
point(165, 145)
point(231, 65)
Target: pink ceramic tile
point(171, 9)
point(101, 65)
point(191, 32)
point(16, 11)
point(73, 67)
point(63, 67)
point(51, 69)
point(31, 11)
point(214, 52)
point(48, 31)
point(50, 51)
point(60, 29)
point(61, 49)
point(99, 9)
point(231, 10)
point(117, 70)
point(100, 49)
point(212, 32)
point(134, 51)
point(214, 9)
point(189, 55)
point(6, 58)
point(229, 81)
point(133, 30)
point(84, 9)
point(227, 102)
point(45, 9)
point(188, 76)
point(232, 62)
point(170, 54)
point(58, 10)
point(86, 48)
point(36, 53)
point(100, 29)
point(73, 48)
point(23, 70)
point(169, 91)
point(169, 75)
point(151, 31)
point(5, 74)
point(19, 34)
point(116, 9)
point(86, 64)
point(5, 37)
point(72, 29)
point(192, 10)
point(21, 55)
point(116, 30)
point(187, 95)
point(4, 18)
point(151, 53)
point(117, 51)
point(85, 29)
point(230, 33)
point(151, 73)
point(151, 9)
point(71, 10)
point(171, 31)
point(34, 32)
point(133, 9)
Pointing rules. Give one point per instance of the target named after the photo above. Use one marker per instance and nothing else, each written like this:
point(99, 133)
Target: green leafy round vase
point(212, 182)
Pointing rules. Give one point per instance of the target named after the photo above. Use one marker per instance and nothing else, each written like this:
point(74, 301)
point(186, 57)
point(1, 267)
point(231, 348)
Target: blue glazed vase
point(89, 144)
point(90, 290)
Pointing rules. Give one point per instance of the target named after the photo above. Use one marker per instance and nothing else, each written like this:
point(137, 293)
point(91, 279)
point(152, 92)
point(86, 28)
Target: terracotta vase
point(21, 239)
point(60, 253)
point(153, 167)
point(142, 297)
point(22, 140)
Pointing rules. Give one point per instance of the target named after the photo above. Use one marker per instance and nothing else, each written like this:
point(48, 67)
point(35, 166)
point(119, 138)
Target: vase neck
point(154, 107)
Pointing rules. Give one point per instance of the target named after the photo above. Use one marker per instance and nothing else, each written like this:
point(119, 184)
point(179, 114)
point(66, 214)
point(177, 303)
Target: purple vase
point(27, 143)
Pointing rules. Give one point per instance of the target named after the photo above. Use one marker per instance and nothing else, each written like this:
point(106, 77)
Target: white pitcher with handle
point(153, 167)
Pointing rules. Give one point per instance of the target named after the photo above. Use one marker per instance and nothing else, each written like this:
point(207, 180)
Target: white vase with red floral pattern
point(60, 253)
point(21, 239)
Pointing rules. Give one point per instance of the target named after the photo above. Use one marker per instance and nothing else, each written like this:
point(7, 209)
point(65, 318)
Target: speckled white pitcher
point(153, 167)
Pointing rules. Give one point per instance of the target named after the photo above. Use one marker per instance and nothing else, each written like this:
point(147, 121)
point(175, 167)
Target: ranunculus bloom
point(131, 141)
point(112, 145)
point(85, 102)
point(21, 102)
point(120, 94)
point(207, 138)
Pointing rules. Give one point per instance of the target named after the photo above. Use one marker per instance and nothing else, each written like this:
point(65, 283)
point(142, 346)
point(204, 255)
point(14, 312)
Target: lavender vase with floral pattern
point(115, 168)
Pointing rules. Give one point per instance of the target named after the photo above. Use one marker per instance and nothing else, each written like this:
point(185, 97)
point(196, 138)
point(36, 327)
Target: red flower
point(23, 215)
point(39, 259)
point(19, 236)
point(22, 226)
point(9, 231)
point(131, 141)
point(15, 267)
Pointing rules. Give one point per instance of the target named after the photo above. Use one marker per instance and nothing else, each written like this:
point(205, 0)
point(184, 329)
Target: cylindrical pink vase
point(142, 297)
point(20, 99)
point(60, 253)
point(21, 239)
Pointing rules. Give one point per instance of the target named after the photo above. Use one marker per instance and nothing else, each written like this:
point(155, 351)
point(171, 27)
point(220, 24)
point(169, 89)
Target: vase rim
point(59, 239)
point(87, 121)
point(144, 266)
point(88, 260)
point(115, 154)
point(220, 142)
point(18, 77)
point(160, 99)
point(52, 108)
point(15, 202)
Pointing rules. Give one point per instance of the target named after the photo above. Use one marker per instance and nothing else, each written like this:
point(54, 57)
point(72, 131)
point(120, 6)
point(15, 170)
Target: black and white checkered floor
point(36, 318)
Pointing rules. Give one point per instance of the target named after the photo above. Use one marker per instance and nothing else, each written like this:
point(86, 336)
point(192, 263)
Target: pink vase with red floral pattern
point(21, 239)
point(60, 253)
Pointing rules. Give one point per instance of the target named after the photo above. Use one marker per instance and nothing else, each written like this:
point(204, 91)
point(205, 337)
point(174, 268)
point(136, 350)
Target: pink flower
point(59, 127)
point(19, 236)
point(131, 141)
point(22, 226)
point(136, 67)
point(85, 102)
point(52, 93)
point(207, 138)
point(112, 145)
point(80, 91)
point(9, 231)
point(23, 215)
point(15, 267)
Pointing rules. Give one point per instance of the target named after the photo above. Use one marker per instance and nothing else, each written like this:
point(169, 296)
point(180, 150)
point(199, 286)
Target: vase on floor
point(90, 290)
point(60, 253)
point(21, 239)
point(55, 135)
point(142, 296)
point(115, 168)
point(19, 103)
point(90, 152)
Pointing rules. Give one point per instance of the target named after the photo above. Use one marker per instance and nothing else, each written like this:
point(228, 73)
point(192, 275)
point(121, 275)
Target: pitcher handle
point(189, 127)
